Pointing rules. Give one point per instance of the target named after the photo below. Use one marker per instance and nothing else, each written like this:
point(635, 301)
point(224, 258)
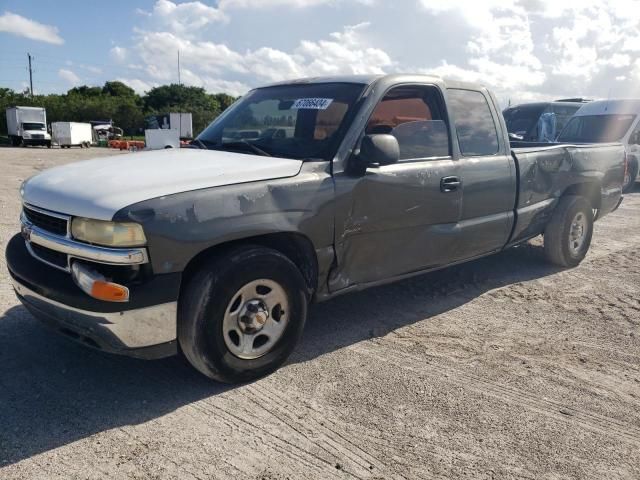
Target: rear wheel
point(567, 237)
point(242, 314)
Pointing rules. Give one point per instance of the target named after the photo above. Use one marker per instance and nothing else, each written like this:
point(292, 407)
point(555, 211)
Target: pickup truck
point(217, 251)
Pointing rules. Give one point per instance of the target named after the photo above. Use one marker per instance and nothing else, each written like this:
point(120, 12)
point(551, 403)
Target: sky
point(525, 50)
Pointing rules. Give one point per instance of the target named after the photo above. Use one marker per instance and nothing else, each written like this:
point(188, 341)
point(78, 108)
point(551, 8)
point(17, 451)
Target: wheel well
point(590, 190)
point(295, 246)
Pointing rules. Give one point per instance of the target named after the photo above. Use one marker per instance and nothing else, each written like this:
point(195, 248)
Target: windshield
point(291, 121)
point(523, 120)
point(33, 126)
point(596, 128)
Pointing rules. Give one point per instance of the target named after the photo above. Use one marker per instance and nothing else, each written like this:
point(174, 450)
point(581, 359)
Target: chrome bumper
point(146, 332)
point(74, 249)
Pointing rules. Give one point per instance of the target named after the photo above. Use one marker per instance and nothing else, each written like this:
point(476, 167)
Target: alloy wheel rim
point(255, 319)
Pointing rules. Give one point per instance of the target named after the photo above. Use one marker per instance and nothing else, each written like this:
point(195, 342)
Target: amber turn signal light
point(95, 285)
point(110, 292)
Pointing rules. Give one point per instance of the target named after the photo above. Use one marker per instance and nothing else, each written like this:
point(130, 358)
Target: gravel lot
point(500, 368)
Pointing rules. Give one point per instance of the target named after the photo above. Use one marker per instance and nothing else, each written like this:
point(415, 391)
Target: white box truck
point(182, 122)
point(28, 126)
point(72, 134)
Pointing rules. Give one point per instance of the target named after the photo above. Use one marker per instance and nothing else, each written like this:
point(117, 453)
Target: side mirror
point(381, 149)
point(634, 139)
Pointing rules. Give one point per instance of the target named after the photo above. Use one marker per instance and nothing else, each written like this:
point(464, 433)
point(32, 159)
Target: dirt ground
point(501, 368)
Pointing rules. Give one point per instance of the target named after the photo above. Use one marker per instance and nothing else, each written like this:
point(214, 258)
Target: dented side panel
point(547, 173)
point(397, 221)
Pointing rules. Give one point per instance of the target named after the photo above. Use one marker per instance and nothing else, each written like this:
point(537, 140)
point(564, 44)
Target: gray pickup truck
point(344, 183)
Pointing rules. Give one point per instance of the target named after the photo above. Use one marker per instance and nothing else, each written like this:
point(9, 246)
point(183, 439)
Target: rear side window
point(415, 116)
point(477, 134)
point(563, 114)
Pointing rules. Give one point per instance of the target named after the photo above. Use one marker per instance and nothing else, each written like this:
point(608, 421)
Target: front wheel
point(242, 314)
point(567, 237)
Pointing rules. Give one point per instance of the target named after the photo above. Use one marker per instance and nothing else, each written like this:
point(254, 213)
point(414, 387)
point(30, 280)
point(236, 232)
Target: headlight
point(111, 234)
point(26, 135)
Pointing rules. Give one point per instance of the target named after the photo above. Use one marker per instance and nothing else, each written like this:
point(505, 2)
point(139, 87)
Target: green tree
point(119, 102)
point(118, 89)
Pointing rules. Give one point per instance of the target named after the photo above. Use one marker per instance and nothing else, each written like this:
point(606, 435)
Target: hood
point(99, 188)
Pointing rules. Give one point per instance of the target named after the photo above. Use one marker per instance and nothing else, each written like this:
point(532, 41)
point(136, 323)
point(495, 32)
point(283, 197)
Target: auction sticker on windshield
point(312, 103)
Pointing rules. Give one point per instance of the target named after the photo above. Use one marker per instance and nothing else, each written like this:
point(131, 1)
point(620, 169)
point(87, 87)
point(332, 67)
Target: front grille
point(46, 222)
point(58, 259)
point(37, 136)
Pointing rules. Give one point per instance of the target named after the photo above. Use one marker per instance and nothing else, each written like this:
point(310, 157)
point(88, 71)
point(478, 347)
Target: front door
point(401, 218)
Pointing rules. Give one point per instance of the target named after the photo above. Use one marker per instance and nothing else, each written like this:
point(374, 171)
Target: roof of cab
point(369, 79)
point(610, 107)
point(361, 79)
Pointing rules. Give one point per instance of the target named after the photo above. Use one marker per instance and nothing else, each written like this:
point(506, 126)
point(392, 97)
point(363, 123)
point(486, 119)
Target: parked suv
point(541, 121)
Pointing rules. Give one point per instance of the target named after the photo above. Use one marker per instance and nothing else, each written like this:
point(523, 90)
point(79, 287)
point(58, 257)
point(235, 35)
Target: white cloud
point(228, 4)
point(138, 85)
point(68, 76)
point(187, 17)
point(210, 64)
point(533, 47)
point(92, 69)
point(255, 4)
point(24, 27)
point(119, 54)
point(345, 52)
point(524, 49)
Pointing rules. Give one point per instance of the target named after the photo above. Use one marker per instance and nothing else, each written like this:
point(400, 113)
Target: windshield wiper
point(243, 144)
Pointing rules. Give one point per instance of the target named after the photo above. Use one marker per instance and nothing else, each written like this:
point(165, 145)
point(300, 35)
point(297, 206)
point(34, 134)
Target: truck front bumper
point(145, 327)
point(36, 141)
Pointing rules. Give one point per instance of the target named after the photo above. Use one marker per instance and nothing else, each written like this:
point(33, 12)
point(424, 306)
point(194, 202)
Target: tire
point(48, 144)
point(630, 180)
point(211, 337)
point(567, 236)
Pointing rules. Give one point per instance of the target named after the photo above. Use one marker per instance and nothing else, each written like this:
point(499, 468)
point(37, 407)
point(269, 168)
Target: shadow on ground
point(54, 392)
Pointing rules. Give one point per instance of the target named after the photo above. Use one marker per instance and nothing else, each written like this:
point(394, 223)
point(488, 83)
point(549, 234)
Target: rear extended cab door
point(487, 171)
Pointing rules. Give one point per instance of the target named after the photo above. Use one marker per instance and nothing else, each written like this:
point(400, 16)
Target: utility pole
point(178, 67)
point(30, 75)
point(179, 113)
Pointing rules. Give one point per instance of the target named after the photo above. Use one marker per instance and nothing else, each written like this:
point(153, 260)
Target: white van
point(609, 121)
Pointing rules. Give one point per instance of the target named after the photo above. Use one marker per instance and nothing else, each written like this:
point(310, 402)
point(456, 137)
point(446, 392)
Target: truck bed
point(548, 170)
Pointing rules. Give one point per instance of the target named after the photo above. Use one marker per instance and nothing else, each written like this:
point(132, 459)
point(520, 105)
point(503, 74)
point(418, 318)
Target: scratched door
point(402, 217)
point(400, 221)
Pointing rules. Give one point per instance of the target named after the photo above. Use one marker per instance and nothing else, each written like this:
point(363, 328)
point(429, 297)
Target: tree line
point(120, 103)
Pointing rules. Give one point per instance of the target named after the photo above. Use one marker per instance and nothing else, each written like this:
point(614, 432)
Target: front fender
point(178, 227)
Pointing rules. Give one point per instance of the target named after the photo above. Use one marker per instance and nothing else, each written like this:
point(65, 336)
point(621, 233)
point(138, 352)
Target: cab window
point(477, 134)
point(415, 116)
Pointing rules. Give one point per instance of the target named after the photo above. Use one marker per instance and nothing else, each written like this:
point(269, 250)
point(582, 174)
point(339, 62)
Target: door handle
point(449, 184)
